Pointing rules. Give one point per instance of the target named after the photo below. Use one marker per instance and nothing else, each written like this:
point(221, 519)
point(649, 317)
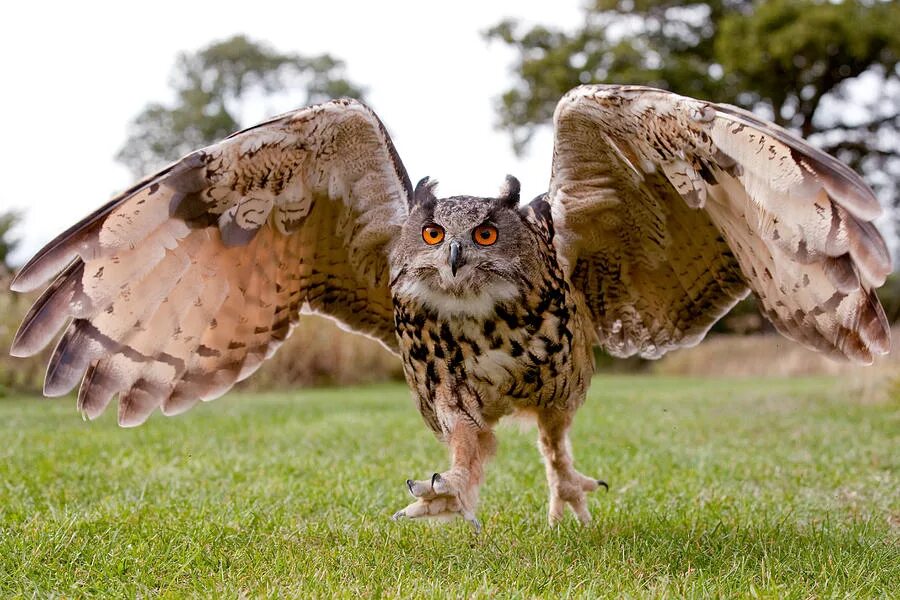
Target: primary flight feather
point(662, 212)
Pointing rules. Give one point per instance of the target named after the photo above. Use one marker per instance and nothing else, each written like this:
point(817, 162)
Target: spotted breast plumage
point(662, 212)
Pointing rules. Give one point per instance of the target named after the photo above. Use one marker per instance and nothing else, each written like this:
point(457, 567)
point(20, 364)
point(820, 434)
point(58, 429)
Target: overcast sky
point(75, 74)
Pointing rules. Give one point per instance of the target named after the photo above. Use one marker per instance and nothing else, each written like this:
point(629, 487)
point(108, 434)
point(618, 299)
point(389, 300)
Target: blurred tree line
point(8, 240)
point(212, 88)
point(796, 62)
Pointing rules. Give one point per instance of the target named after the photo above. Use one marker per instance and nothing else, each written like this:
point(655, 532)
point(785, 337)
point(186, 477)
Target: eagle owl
point(662, 212)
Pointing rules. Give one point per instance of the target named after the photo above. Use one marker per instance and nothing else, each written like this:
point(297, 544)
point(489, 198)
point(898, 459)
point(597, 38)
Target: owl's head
point(463, 254)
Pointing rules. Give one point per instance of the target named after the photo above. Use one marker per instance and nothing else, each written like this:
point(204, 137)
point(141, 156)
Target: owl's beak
point(455, 256)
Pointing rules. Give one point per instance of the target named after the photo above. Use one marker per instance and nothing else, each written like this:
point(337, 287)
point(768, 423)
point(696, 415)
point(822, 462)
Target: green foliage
point(8, 242)
point(17, 375)
point(722, 488)
point(789, 60)
point(211, 88)
point(889, 294)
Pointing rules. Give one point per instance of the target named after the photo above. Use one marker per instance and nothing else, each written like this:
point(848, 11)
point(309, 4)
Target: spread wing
point(669, 210)
point(184, 284)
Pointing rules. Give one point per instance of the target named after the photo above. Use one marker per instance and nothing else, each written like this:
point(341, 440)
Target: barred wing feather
point(186, 283)
point(671, 209)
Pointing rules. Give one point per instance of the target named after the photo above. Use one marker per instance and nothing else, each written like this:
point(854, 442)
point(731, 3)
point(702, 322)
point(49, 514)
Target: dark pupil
point(485, 234)
point(433, 233)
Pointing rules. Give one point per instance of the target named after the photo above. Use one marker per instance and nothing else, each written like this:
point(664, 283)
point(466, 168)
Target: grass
point(772, 488)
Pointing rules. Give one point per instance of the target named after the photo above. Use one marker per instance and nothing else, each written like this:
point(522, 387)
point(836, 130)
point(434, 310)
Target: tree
point(8, 243)
point(212, 88)
point(793, 61)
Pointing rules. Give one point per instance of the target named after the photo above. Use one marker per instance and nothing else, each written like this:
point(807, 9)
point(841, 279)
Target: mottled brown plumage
point(663, 212)
point(522, 350)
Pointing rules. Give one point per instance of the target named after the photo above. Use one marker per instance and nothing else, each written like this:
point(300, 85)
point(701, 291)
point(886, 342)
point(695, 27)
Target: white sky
point(74, 74)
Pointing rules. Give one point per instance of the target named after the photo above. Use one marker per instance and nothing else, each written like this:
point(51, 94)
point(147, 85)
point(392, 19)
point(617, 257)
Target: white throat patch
point(479, 305)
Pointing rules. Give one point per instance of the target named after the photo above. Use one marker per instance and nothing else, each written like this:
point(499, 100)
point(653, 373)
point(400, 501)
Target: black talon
point(434, 478)
point(409, 484)
point(476, 525)
point(603, 483)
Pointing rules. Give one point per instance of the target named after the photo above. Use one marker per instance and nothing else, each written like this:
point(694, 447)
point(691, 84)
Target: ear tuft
point(509, 193)
point(424, 192)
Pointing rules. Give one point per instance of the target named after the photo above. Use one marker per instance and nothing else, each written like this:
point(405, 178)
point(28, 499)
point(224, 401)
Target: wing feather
point(187, 282)
point(673, 208)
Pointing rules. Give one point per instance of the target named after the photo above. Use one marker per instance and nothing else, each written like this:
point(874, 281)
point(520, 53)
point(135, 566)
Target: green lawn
point(770, 488)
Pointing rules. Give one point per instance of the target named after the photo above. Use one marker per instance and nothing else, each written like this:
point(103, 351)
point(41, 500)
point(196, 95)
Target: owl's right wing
point(185, 283)
point(668, 210)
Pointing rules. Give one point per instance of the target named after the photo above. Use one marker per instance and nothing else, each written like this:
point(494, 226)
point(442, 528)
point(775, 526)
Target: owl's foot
point(567, 486)
point(439, 498)
point(571, 488)
point(454, 492)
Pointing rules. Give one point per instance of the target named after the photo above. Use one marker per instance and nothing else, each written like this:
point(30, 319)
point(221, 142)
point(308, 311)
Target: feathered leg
point(567, 486)
point(455, 492)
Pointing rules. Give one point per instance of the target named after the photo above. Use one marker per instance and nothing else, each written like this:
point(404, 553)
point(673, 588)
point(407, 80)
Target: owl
point(662, 212)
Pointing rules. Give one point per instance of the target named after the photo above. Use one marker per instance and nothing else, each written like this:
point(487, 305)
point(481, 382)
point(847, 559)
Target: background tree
point(793, 61)
point(212, 89)
point(8, 242)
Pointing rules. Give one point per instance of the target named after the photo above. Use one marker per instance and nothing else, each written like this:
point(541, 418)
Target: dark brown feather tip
point(874, 325)
point(841, 274)
point(75, 351)
point(48, 314)
point(80, 240)
point(869, 251)
point(96, 391)
point(139, 402)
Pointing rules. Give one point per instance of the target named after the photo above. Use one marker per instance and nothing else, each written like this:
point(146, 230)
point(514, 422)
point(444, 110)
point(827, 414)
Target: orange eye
point(485, 235)
point(433, 234)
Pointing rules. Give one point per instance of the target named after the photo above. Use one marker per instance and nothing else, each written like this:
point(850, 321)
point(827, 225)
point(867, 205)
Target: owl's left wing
point(668, 210)
point(186, 283)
